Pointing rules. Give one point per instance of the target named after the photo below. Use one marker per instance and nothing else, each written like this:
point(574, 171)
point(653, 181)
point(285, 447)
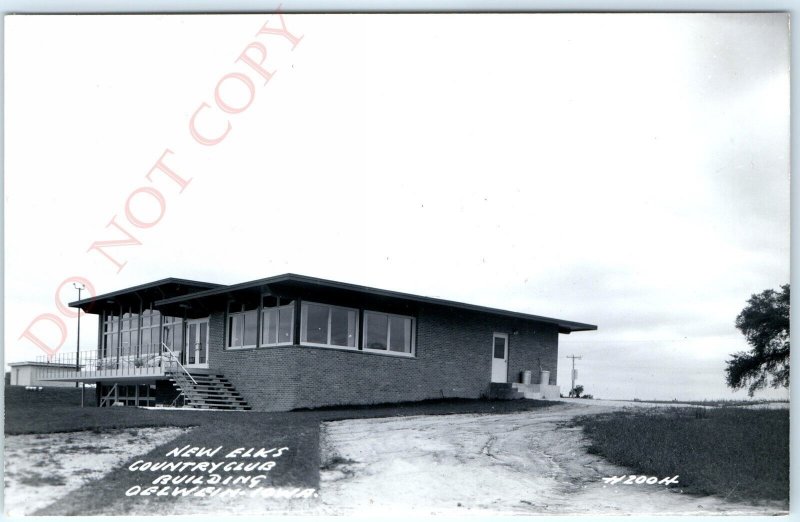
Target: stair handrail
point(175, 357)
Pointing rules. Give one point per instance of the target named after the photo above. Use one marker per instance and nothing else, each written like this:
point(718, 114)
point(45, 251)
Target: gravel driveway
point(518, 463)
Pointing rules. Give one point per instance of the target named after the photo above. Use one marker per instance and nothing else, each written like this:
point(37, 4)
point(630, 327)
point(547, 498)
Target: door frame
point(198, 322)
point(505, 336)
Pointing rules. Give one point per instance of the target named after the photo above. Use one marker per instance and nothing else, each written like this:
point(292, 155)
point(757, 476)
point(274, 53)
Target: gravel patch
point(41, 469)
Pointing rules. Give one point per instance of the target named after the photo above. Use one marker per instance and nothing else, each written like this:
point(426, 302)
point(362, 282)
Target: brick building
point(293, 341)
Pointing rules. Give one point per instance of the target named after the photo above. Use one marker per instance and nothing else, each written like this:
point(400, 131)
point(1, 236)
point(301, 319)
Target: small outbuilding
point(30, 373)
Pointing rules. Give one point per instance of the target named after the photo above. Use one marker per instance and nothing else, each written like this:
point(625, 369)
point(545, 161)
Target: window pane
point(167, 337)
point(250, 327)
point(377, 328)
point(286, 324)
point(154, 338)
point(400, 334)
point(269, 326)
point(191, 350)
point(499, 348)
point(316, 327)
point(343, 327)
point(134, 338)
point(203, 334)
point(177, 344)
point(234, 331)
point(146, 338)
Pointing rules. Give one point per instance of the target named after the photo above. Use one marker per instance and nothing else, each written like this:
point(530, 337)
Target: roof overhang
point(141, 295)
point(291, 286)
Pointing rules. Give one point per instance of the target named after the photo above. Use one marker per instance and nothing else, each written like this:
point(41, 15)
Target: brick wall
point(453, 359)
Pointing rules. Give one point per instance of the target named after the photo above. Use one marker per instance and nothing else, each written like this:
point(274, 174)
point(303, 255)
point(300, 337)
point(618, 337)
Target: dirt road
point(500, 464)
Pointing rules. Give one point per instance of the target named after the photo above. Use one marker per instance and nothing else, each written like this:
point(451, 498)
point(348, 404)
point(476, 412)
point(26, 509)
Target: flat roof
point(301, 281)
point(38, 363)
point(148, 292)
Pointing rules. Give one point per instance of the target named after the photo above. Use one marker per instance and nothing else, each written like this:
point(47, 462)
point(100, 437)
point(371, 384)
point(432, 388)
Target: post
point(78, 345)
point(572, 376)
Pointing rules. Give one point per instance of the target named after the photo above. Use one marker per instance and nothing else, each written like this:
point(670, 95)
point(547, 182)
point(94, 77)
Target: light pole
point(79, 287)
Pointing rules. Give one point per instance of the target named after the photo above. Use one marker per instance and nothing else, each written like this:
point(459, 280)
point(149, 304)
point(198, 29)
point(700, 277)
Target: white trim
point(412, 341)
point(304, 319)
point(198, 322)
point(264, 310)
point(401, 355)
point(505, 358)
point(332, 346)
point(228, 329)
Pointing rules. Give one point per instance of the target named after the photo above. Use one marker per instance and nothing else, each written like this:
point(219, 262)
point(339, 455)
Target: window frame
point(176, 323)
point(388, 351)
point(303, 333)
point(154, 319)
point(229, 330)
point(267, 309)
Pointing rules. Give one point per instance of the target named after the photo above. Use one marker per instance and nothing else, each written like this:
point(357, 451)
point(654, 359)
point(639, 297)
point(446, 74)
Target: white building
point(31, 373)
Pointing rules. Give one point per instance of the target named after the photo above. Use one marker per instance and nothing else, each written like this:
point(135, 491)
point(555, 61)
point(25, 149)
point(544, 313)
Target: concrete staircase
point(209, 390)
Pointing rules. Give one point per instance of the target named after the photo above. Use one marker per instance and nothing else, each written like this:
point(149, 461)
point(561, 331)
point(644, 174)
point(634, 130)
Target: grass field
point(720, 403)
point(740, 454)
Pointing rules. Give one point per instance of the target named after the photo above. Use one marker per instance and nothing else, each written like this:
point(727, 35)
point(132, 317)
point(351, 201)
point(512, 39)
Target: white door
point(500, 358)
point(197, 343)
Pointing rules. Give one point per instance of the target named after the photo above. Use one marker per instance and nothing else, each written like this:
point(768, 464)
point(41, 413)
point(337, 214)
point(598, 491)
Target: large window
point(110, 335)
point(172, 333)
point(388, 333)
point(243, 328)
point(132, 333)
point(129, 334)
point(151, 325)
point(326, 325)
point(277, 325)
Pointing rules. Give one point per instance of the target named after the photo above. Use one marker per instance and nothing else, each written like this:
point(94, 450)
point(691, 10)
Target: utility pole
point(573, 357)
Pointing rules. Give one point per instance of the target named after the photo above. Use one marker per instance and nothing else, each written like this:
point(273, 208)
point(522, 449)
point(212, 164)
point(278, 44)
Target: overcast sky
point(630, 171)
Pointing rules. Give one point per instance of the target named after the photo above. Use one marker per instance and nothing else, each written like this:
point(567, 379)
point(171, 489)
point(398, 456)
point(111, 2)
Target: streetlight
point(79, 287)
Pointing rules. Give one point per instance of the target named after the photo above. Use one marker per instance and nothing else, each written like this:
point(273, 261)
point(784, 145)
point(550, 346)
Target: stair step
point(227, 406)
point(208, 391)
point(196, 397)
point(215, 392)
point(207, 385)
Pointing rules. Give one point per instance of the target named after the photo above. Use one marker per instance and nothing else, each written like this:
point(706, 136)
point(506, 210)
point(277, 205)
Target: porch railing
point(175, 366)
point(143, 361)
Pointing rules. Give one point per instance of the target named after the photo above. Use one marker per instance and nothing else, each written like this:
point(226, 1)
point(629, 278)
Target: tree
point(576, 391)
point(765, 324)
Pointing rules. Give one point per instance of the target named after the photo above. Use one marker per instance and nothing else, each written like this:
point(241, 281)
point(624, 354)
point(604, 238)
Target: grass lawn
point(737, 453)
point(29, 412)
